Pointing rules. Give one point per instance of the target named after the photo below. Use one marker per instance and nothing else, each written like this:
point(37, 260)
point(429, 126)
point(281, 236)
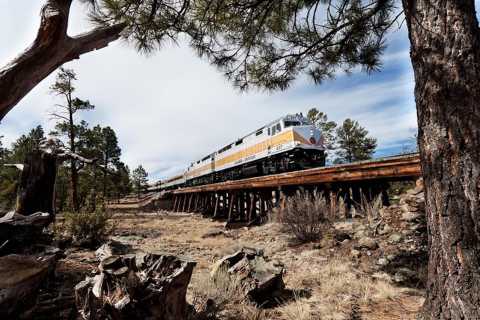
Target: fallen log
point(20, 278)
point(136, 286)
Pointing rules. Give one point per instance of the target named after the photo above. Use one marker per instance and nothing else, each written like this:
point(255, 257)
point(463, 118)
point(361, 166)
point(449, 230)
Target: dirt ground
point(338, 286)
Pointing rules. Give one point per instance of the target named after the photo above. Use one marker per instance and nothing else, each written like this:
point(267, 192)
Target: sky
point(171, 108)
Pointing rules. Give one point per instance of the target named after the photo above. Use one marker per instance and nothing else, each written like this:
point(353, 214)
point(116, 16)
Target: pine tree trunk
point(74, 185)
point(445, 53)
point(73, 162)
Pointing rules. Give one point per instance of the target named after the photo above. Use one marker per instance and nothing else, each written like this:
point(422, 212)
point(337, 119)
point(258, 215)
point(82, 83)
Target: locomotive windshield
point(292, 123)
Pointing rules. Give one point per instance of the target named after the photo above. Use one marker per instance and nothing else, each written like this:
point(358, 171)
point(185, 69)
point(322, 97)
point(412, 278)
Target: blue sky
point(171, 108)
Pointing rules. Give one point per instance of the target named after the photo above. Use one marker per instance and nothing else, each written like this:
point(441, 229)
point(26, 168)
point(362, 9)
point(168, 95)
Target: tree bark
point(51, 48)
point(445, 54)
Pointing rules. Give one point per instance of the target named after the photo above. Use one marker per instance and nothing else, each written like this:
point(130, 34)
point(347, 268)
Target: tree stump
point(136, 286)
point(37, 184)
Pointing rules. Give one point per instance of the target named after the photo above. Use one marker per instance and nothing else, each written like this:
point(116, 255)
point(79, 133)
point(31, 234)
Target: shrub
point(88, 228)
point(370, 209)
point(306, 215)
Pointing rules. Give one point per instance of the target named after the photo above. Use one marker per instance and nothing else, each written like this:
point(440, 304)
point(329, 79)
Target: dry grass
point(298, 309)
point(336, 285)
point(371, 209)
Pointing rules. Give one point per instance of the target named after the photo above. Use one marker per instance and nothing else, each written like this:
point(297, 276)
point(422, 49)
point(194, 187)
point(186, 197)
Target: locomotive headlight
point(312, 140)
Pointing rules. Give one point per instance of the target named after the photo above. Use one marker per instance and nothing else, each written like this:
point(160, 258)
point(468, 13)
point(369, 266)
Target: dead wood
point(18, 232)
point(136, 286)
point(260, 279)
point(51, 48)
point(20, 278)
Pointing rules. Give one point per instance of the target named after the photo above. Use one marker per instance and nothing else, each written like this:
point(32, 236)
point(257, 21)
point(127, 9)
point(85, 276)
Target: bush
point(306, 215)
point(88, 228)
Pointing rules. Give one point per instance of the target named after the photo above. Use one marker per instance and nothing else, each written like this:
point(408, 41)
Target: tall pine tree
point(354, 143)
point(66, 124)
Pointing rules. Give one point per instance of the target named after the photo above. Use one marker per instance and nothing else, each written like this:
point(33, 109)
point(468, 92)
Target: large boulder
point(136, 286)
point(261, 280)
point(366, 243)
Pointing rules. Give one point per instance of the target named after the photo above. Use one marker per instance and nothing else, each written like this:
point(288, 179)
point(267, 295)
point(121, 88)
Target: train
point(289, 143)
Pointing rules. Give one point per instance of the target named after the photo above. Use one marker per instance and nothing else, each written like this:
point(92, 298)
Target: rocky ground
point(364, 268)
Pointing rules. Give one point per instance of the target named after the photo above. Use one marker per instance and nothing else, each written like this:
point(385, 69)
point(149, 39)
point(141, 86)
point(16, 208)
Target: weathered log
point(18, 231)
point(140, 286)
point(20, 279)
point(261, 281)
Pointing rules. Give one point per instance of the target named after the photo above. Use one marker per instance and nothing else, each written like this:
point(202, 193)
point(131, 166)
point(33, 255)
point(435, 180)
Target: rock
point(360, 234)
point(403, 275)
point(382, 262)
point(366, 243)
point(344, 226)
point(391, 257)
point(410, 216)
point(341, 236)
point(261, 281)
point(355, 253)
point(385, 230)
point(382, 276)
point(136, 286)
point(395, 238)
point(213, 233)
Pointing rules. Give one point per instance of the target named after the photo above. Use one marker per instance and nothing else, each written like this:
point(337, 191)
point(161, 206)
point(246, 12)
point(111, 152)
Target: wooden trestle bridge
point(248, 199)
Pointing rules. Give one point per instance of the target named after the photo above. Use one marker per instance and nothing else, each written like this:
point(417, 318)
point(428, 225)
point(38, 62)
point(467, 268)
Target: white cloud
point(172, 107)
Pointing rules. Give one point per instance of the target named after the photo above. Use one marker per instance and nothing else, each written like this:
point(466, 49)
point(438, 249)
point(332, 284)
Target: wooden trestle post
point(251, 206)
point(231, 202)
point(217, 203)
point(197, 199)
point(175, 200)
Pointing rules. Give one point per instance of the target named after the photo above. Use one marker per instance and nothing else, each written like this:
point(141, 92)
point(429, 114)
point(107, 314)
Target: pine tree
point(26, 144)
point(320, 120)
point(66, 125)
point(139, 179)
point(354, 143)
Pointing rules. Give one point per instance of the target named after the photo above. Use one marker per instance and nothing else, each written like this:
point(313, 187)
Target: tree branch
point(51, 48)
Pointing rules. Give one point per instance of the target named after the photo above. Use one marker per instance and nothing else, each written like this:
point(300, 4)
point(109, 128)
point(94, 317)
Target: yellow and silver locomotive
point(286, 144)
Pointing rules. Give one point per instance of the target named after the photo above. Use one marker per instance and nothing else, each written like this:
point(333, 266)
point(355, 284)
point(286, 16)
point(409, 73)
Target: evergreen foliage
point(320, 120)
point(139, 179)
point(354, 143)
point(9, 176)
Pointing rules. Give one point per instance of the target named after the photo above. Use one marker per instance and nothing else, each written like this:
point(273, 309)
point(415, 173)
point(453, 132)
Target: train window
point(259, 132)
point(269, 131)
point(279, 128)
point(291, 123)
point(205, 158)
point(239, 142)
point(225, 148)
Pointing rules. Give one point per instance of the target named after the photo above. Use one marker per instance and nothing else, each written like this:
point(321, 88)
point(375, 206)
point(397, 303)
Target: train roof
point(297, 116)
